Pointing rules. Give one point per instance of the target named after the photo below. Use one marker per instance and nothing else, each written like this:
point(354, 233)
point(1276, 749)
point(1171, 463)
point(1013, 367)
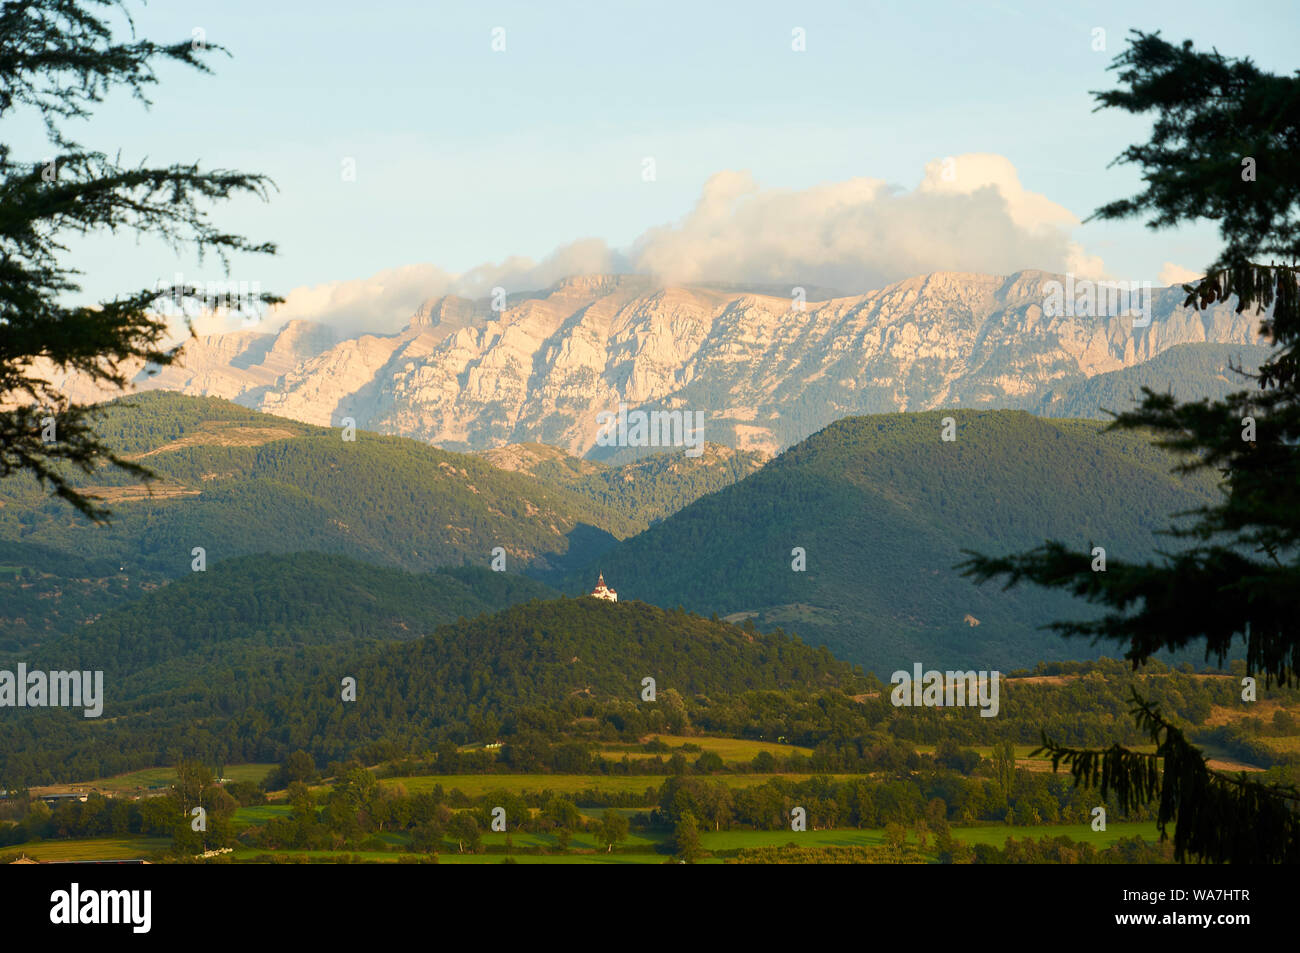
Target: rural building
point(603, 591)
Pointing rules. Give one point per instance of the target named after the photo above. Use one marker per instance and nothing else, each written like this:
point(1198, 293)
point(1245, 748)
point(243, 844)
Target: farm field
point(997, 835)
point(147, 779)
point(579, 841)
point(1282, 745)
point(260, 814)
point(994, 834)
point(475, 785)
point(247, 855)
point(730, 750)
point(598, 858)
point(585, 849)
point(126, 847)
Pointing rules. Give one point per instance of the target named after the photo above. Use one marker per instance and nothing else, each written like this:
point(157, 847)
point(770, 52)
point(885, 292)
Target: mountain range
point(765, 370)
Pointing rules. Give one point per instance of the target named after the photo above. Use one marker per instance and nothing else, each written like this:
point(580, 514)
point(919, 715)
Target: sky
point(513, 143)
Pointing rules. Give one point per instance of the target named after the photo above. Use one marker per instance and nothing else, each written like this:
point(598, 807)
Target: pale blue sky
point(467, 156)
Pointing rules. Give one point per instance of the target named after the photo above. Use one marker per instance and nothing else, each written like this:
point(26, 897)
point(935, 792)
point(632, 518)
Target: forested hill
point(237, 482)
point(463, 682)
point(278, 601)
point(882, 507)
point(233, 482)
point(542, 652)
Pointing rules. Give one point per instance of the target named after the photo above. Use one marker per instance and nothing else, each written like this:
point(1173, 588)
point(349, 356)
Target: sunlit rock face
point(765, 368)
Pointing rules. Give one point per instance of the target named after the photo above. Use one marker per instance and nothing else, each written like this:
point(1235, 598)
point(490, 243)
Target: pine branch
point(1216, 817)
point(60, 58)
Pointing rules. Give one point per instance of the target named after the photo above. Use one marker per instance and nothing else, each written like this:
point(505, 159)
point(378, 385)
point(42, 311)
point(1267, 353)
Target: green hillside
point(238, 482)
point(278, 602)
point(44, 592)
point(882, 506)
point(257, 698)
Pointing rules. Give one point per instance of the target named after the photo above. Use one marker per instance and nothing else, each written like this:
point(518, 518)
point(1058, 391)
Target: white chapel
point(603, 591)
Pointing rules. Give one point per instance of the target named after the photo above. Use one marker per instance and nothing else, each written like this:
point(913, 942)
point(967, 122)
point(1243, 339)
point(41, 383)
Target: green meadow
point(730, 750)
point(247, 855)
point(475, 785)
point(127, 847)
point(584, 848)
point(260, 814)
point(159, 778)
point(997, 835)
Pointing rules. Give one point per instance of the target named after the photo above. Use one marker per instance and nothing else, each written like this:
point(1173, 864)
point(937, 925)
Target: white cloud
point(976, 171)
point(1172, 274)
point(383, 302)
point(969, 214)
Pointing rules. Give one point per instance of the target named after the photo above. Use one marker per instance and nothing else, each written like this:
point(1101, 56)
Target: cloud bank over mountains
point(969, 213)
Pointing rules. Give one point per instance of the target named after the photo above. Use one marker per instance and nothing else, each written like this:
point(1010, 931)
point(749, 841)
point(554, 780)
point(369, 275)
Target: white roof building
point(603, 591)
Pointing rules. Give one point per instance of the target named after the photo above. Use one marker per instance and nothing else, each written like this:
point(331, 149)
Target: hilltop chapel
point(603, 591)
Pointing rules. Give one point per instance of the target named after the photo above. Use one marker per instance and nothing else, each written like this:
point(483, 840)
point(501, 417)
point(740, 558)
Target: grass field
point(997, 834)
point(382, 857)
point(245, 853)
point(128, 847)
point(155, 779)
point(599, 858)
point(579, 841)
point(730, 750)
point(475, 785)
point(94, 848)
point(735, 840)
point(260, 814)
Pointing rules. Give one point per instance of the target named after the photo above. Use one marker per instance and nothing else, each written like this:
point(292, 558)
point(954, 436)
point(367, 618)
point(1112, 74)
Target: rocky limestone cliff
point(764, 373)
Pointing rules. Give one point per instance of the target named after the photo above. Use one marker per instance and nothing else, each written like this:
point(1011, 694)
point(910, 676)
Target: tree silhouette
point(61, 58)
point(1223, 147)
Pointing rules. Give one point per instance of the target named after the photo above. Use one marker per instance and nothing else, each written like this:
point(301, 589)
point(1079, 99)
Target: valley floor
point(532, 848)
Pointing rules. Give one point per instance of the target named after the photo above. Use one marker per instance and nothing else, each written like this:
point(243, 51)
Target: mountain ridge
point(850, 538)
point(767, 370)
